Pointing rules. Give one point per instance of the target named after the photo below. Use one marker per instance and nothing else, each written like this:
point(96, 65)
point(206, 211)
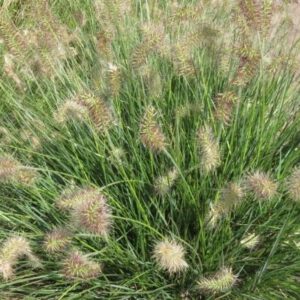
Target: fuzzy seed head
point(71, 110)
point(77, 266)
point(209, 150)
point(114, 77)
point(261, 185)
point(99, 112)
point(250, 241)
point(163, 184)
point(293, 185)
point(151, 133)
point(57, 240)
point(224, 104)
point(12, 249)
point(222, 281)
point(93, 214)
point(169, 256)
point(12, 171)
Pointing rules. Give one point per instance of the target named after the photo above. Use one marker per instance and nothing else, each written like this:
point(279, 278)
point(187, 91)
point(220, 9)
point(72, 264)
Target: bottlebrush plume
point(92, 213)
point(250, 241)
point(99, 112)
point(12, 171)
point(12, 249)
point(117, 155)
point(57, 240)
point(151, 134)
point(293, 185)
point(114, 77)
point(169, 256)
point(78, 266)
point(261, 185)
point(71, 110)
point(220, 282)
point(163, 184)
point(209, 150)
point(231, 197)
point(71, 195)
point(224, 104)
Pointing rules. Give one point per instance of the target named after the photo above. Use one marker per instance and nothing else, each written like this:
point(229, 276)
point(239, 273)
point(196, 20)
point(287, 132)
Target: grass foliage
point(149, 150)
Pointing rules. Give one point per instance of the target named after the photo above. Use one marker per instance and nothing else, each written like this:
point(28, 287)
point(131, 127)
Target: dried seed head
point(71, 110)
point(151, 134)
point(222, 281)
point(293, 185)
point(57, 240)
point(209, 150)
point(261, 185)
point(78, 266)
point(250, 241)
point(163, 184)
point(169, 256)
point(93, 213)
point(224, 105)
point(12, 249)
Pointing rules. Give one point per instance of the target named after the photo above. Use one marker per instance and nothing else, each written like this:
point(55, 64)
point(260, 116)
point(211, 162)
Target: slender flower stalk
point(169, 255)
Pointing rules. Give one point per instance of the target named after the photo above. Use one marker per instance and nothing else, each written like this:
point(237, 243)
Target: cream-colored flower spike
point(250, 241)
point(12, 249)
point(209, 150)
point(169, 255)
point(221, 281)
point(293, 185)
point(261, 185)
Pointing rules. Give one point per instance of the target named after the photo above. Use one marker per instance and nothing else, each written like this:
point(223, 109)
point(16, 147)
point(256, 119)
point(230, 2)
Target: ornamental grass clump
point(149, 149)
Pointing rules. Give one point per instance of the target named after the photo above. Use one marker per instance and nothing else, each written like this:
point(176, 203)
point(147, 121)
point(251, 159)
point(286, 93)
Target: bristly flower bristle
point(57, 240)
point(293, 185)
point(12, 249)
point(222, 281)
point(209, 150)
point(78, 266)
point(261, 185)
point(169, 256)
point(92, 213)
point(151, 134)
